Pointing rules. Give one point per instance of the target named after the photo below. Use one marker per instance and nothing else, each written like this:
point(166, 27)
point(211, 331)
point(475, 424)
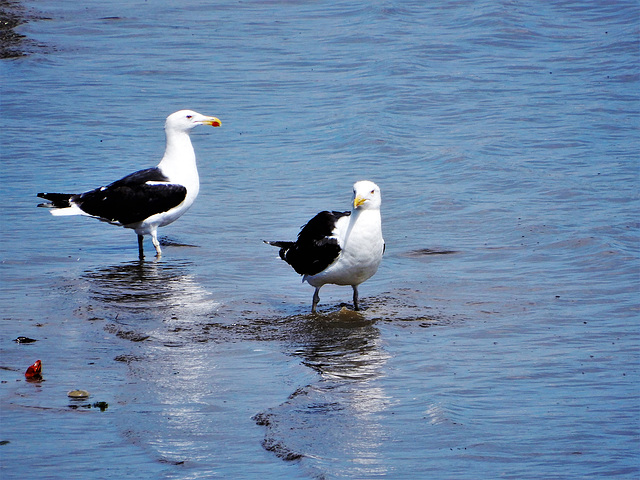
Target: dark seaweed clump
point(12, 43)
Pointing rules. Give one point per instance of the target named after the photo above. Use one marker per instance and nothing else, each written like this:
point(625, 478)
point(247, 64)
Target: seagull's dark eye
point(372, 192)
point(189, 116)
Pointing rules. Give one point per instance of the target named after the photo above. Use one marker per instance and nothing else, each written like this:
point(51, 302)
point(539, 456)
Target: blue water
point(499, 339)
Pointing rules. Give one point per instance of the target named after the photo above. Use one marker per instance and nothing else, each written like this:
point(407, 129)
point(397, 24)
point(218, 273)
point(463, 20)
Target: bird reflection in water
point(338, 414)
point(159, 289)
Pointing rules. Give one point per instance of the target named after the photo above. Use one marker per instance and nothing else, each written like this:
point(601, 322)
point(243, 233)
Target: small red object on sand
point(34, 371)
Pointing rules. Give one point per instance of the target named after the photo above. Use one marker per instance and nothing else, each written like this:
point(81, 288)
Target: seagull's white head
point(185, 120)
point(366, 195)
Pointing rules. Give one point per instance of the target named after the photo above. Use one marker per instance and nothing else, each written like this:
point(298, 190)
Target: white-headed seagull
point(150, 198)
point(342, 248)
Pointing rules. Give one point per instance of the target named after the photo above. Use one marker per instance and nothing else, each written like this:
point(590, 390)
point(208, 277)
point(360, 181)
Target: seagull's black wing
point(315, 249)
point(132, 199)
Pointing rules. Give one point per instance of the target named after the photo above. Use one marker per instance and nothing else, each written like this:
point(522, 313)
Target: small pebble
point(78, 394)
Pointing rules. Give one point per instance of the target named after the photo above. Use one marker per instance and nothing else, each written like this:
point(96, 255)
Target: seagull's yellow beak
point(213, 121)
point(358, 201)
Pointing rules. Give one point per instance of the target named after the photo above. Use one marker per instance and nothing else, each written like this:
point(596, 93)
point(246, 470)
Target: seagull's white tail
point(60, 204)
point(67, 211)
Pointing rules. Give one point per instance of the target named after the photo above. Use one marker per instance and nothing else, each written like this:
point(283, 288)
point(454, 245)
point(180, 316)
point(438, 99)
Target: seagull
point(342, 248)
point(150, 198)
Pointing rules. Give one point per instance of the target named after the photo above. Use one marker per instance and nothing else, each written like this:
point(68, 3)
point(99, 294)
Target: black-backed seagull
point(343, 248)
point(150, 198)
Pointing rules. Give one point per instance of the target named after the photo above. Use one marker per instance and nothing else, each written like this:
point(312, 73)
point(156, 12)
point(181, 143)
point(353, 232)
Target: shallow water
point(499, 337)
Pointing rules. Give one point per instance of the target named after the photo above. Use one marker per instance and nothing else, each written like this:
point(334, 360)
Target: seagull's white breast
point(360, 238)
